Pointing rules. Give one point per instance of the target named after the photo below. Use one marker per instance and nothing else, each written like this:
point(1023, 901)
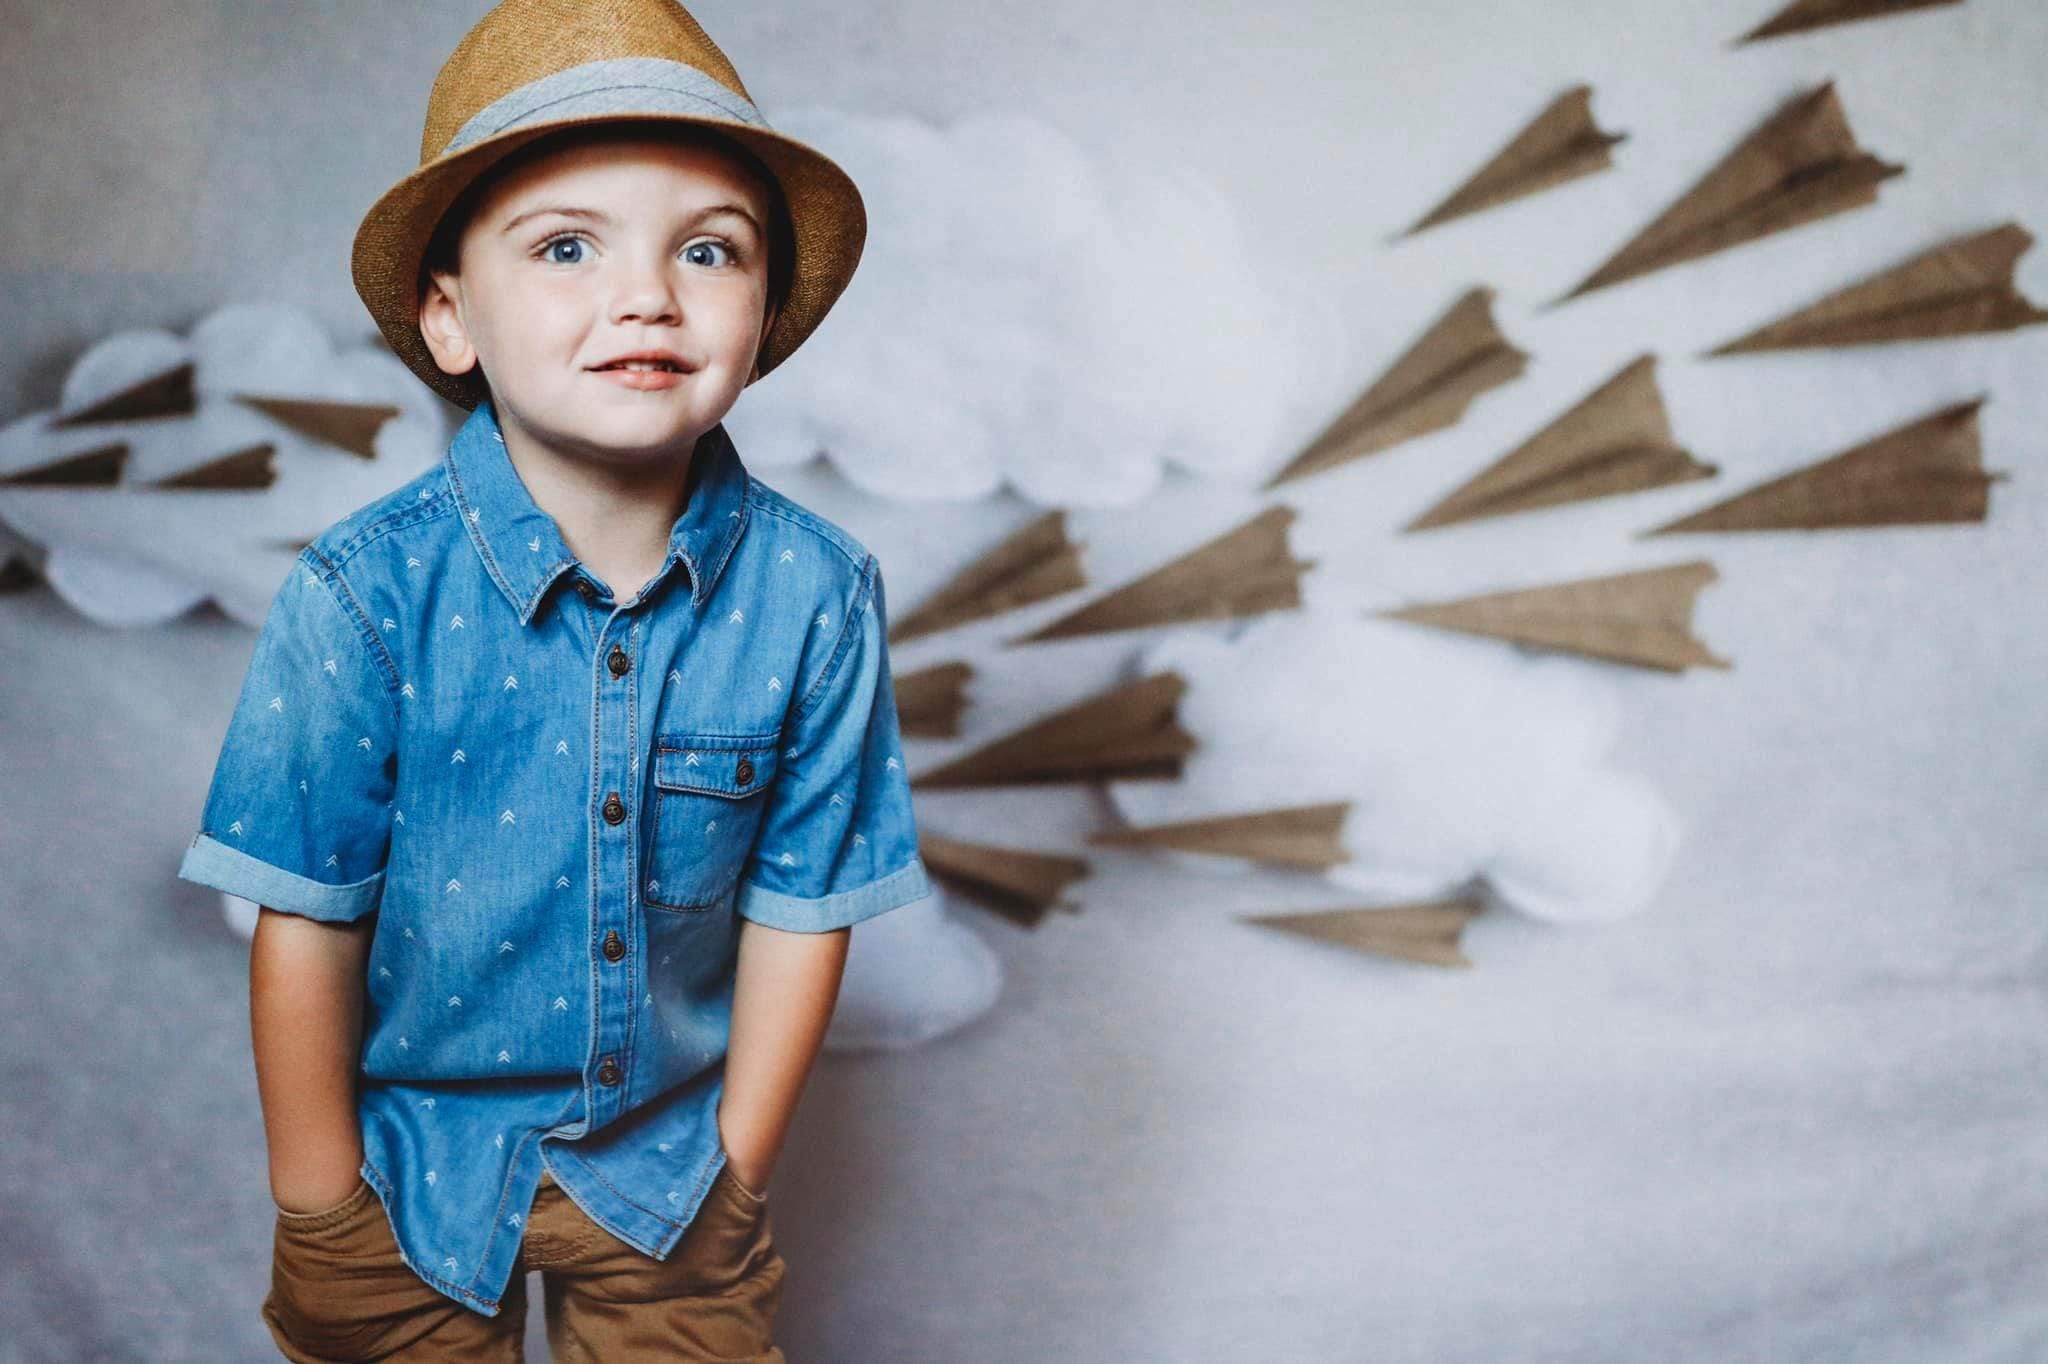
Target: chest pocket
point(709, 791)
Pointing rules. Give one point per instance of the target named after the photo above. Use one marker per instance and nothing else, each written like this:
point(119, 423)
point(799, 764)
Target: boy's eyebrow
point(600, 216)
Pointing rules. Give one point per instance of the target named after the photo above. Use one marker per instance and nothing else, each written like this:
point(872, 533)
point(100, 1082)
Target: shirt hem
point(828, 912)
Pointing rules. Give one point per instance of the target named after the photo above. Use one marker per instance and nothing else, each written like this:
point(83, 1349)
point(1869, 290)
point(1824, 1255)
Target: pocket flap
point(731, 765)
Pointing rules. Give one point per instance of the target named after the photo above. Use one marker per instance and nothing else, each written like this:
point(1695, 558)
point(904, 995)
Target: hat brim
point(827, 218)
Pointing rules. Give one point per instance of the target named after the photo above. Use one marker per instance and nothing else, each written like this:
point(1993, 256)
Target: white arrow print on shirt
point(411, 562)
point(561, 1003)
point(511, 683)
point(508, 818)
point(788, 556)
point(431, 1176)
point(455, 1001)
point(892, 764)
point(406, 690)
point(333, 860)
point(505, 946)
point(774, 684)
point(384, 971)
point(310, 579)
point(404, 1045)
point(408, 933)
point(788, 861)
point(329, 668)
point(499, 1141)
point(277, 704)
point(710, 826)
point(398, 815)
point(534, 544)
point(426, 1103)
point(460, 757)
point(824, 619)
point(664, 1147)
point(364, 743)
point(475, 515)
point(390, 624)
point(302, 786)
point(236, 829)
point(675, 1198)
point(674, 675)
point(738, 617)
point(561, 745)
point(837, 799)
point(454, 887)
point(858, 840)
point(690, 760)
point(455, 623)
point(513, 1220)
point(504, 1056)
point(560, 882)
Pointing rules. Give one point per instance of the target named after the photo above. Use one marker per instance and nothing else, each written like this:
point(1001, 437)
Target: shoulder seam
point(423, 509)
point(769, 507)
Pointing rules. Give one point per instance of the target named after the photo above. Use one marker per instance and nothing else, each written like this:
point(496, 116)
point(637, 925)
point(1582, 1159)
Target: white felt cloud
point(1021, 316)
point(1458, 761)
point(131, 554)
point(912, 974)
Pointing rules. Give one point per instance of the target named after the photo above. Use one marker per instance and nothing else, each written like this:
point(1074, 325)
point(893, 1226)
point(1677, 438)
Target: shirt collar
point(524, 552)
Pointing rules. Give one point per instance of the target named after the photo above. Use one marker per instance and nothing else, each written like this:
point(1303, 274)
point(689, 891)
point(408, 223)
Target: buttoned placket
point(615, 765)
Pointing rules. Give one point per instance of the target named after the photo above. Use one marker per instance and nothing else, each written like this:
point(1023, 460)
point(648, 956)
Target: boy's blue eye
point(709, 244)
point(548, 250)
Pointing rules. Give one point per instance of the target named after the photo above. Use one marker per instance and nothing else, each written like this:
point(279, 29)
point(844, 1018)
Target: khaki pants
point(339, 1290)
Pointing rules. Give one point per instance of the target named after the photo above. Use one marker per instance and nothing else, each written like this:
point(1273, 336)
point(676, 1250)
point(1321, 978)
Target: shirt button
point(609, 1073)
point(614, 808)
point(745, 772)
point(587, 592)
point(618, 662)
point(613, 948)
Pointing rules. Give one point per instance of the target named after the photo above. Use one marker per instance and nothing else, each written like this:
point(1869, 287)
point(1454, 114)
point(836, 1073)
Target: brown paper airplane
point(99, 467)
point(1642, 618)
point(1961, 287)
point(1461, 356)
point(1803, 15)
point(349, 426)
point(1616, 440)
point(1292, 836)
point(1926, 472)
point(1802, 164)
point(1246, 571)
point(164, 395)
point(1427, 931)
point(1561, 145)
point(250, 468)
point(1020, 884)
point(929, 700)
point(1129, 732)
point(1033, 563)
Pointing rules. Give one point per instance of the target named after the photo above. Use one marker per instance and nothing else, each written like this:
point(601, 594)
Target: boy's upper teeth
point(640, 364)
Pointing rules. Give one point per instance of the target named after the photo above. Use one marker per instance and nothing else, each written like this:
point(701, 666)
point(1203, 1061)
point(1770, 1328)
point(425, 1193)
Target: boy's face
point(598, 251)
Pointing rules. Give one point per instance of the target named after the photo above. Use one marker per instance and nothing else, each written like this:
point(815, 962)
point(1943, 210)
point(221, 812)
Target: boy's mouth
point(648, 361)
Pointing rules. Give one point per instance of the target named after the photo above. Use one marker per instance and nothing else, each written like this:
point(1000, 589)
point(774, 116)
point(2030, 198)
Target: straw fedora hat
point(531, 67)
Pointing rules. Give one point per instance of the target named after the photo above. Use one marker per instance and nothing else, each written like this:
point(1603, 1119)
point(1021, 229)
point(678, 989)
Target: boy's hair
point(444, 247)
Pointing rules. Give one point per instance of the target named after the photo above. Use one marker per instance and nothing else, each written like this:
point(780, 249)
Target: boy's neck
point(617, 521)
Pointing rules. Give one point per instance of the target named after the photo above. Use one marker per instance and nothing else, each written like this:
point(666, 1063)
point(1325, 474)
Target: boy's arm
point(783, 996)
point(305, 1024)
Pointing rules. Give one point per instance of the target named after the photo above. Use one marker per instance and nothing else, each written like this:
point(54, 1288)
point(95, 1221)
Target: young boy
point(561, 771)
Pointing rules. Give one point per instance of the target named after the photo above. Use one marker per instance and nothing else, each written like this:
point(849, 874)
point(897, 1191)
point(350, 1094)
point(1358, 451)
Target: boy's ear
point(441, 326)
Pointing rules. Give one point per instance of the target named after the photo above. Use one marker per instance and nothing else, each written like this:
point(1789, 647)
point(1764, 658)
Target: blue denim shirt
point(560, 807)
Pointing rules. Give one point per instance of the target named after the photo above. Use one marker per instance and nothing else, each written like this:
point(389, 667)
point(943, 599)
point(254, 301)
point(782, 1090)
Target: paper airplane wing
point(1461, 356)
point(1801, 165)
point(1033, 563)
point(1803, 15)
point(1962, 286)
point(929, 700)
point(1616, 440)
point(1129, 732)
point(1246, 571)
point(1561, 145)
point(1294, 836)
point(1926, 472)
point(1020, 884)
point(1426, 932)
point(347, 426)
point(168, 394)
point(1643, 618)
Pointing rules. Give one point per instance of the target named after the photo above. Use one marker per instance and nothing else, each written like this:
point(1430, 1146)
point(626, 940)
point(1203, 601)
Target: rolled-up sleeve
point(298, 816)
point(838, 840)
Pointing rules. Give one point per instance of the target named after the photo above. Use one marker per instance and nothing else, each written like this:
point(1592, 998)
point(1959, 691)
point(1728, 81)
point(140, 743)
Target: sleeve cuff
point(827, 912)
point(213, 863)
